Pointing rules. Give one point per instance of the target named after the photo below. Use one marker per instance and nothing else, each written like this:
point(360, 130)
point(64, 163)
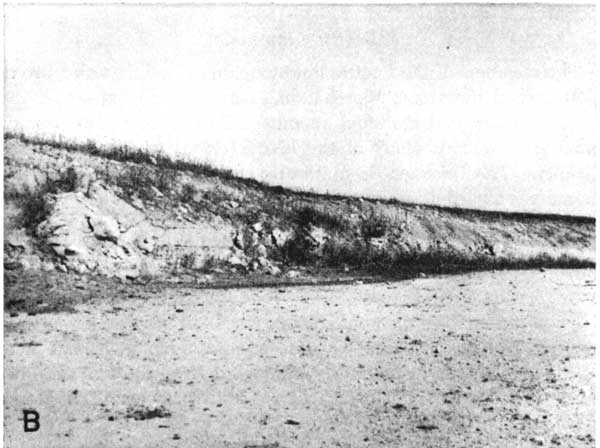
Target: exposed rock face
point(250, 252)
point(104, 227)
point(280, 237)
point(237, 261)
point(105, 234)
point(103, 222)
point(83, 237)
point(273, 270)
point(17, 240)
point(317, 236)
point(496, 250)
point(19, 251)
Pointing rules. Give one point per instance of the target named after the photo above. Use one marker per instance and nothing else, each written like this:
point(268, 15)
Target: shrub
point(136, 180)
point(374, 226)
point(165, 179)
point(66, 182)
point(210, 264)
point(34, 204)
point(339, 253)
point(34, 209)
point(308, 215)
point(249, 216)
point(297, 250)
point(188, 191)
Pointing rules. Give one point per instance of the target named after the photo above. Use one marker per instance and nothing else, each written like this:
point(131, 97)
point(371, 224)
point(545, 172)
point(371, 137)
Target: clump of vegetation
point(138, 180)
point(337, 253)
point(374, 226)
point(165, 179)
point(34, 209)
point(188, 192)
point(66, 182)
point(210, 264)
point(297, 250)
point(250, 216)
point(350, 238)
point(135, 181)
point(312, 215)
point(361, 256)
point(34, 203)
point(192, 261)
point(125, 153)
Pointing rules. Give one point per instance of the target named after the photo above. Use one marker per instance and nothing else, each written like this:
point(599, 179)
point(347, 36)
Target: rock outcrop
point(70, 211)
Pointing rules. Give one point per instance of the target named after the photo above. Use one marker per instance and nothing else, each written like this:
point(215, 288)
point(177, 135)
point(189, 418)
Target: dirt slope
point(77, 208)
point(501, 359)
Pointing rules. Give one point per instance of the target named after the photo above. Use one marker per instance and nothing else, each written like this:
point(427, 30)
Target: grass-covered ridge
point(247, 229)
point(126, 153)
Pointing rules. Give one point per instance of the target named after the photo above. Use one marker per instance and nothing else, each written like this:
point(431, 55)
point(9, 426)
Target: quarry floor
point(494, 359)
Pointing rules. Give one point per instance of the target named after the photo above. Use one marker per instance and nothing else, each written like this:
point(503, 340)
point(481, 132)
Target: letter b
point(31, 420)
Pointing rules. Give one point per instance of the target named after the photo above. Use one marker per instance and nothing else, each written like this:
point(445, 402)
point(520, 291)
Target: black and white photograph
point(299, 225)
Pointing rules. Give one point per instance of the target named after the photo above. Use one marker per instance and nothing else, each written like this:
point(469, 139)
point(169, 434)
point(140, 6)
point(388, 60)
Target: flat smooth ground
point(502, 359)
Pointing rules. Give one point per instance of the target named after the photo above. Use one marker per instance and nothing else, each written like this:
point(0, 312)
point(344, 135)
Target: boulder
point(272, 270)
point(263, 261)
point(261, 251)
point(494, 250)
point(292, 274)
point(280, 237)
point(157, 193)
point(58, 249)
point(105, 228)
point(204, 279)
point(234, 261)
point(497, 250)
point(317, 235)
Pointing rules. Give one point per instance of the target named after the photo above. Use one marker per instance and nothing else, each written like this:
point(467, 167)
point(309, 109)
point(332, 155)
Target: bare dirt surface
point(487, 359)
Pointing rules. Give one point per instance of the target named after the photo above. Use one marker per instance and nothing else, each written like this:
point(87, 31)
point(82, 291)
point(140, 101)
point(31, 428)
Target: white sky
point(363, 100)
